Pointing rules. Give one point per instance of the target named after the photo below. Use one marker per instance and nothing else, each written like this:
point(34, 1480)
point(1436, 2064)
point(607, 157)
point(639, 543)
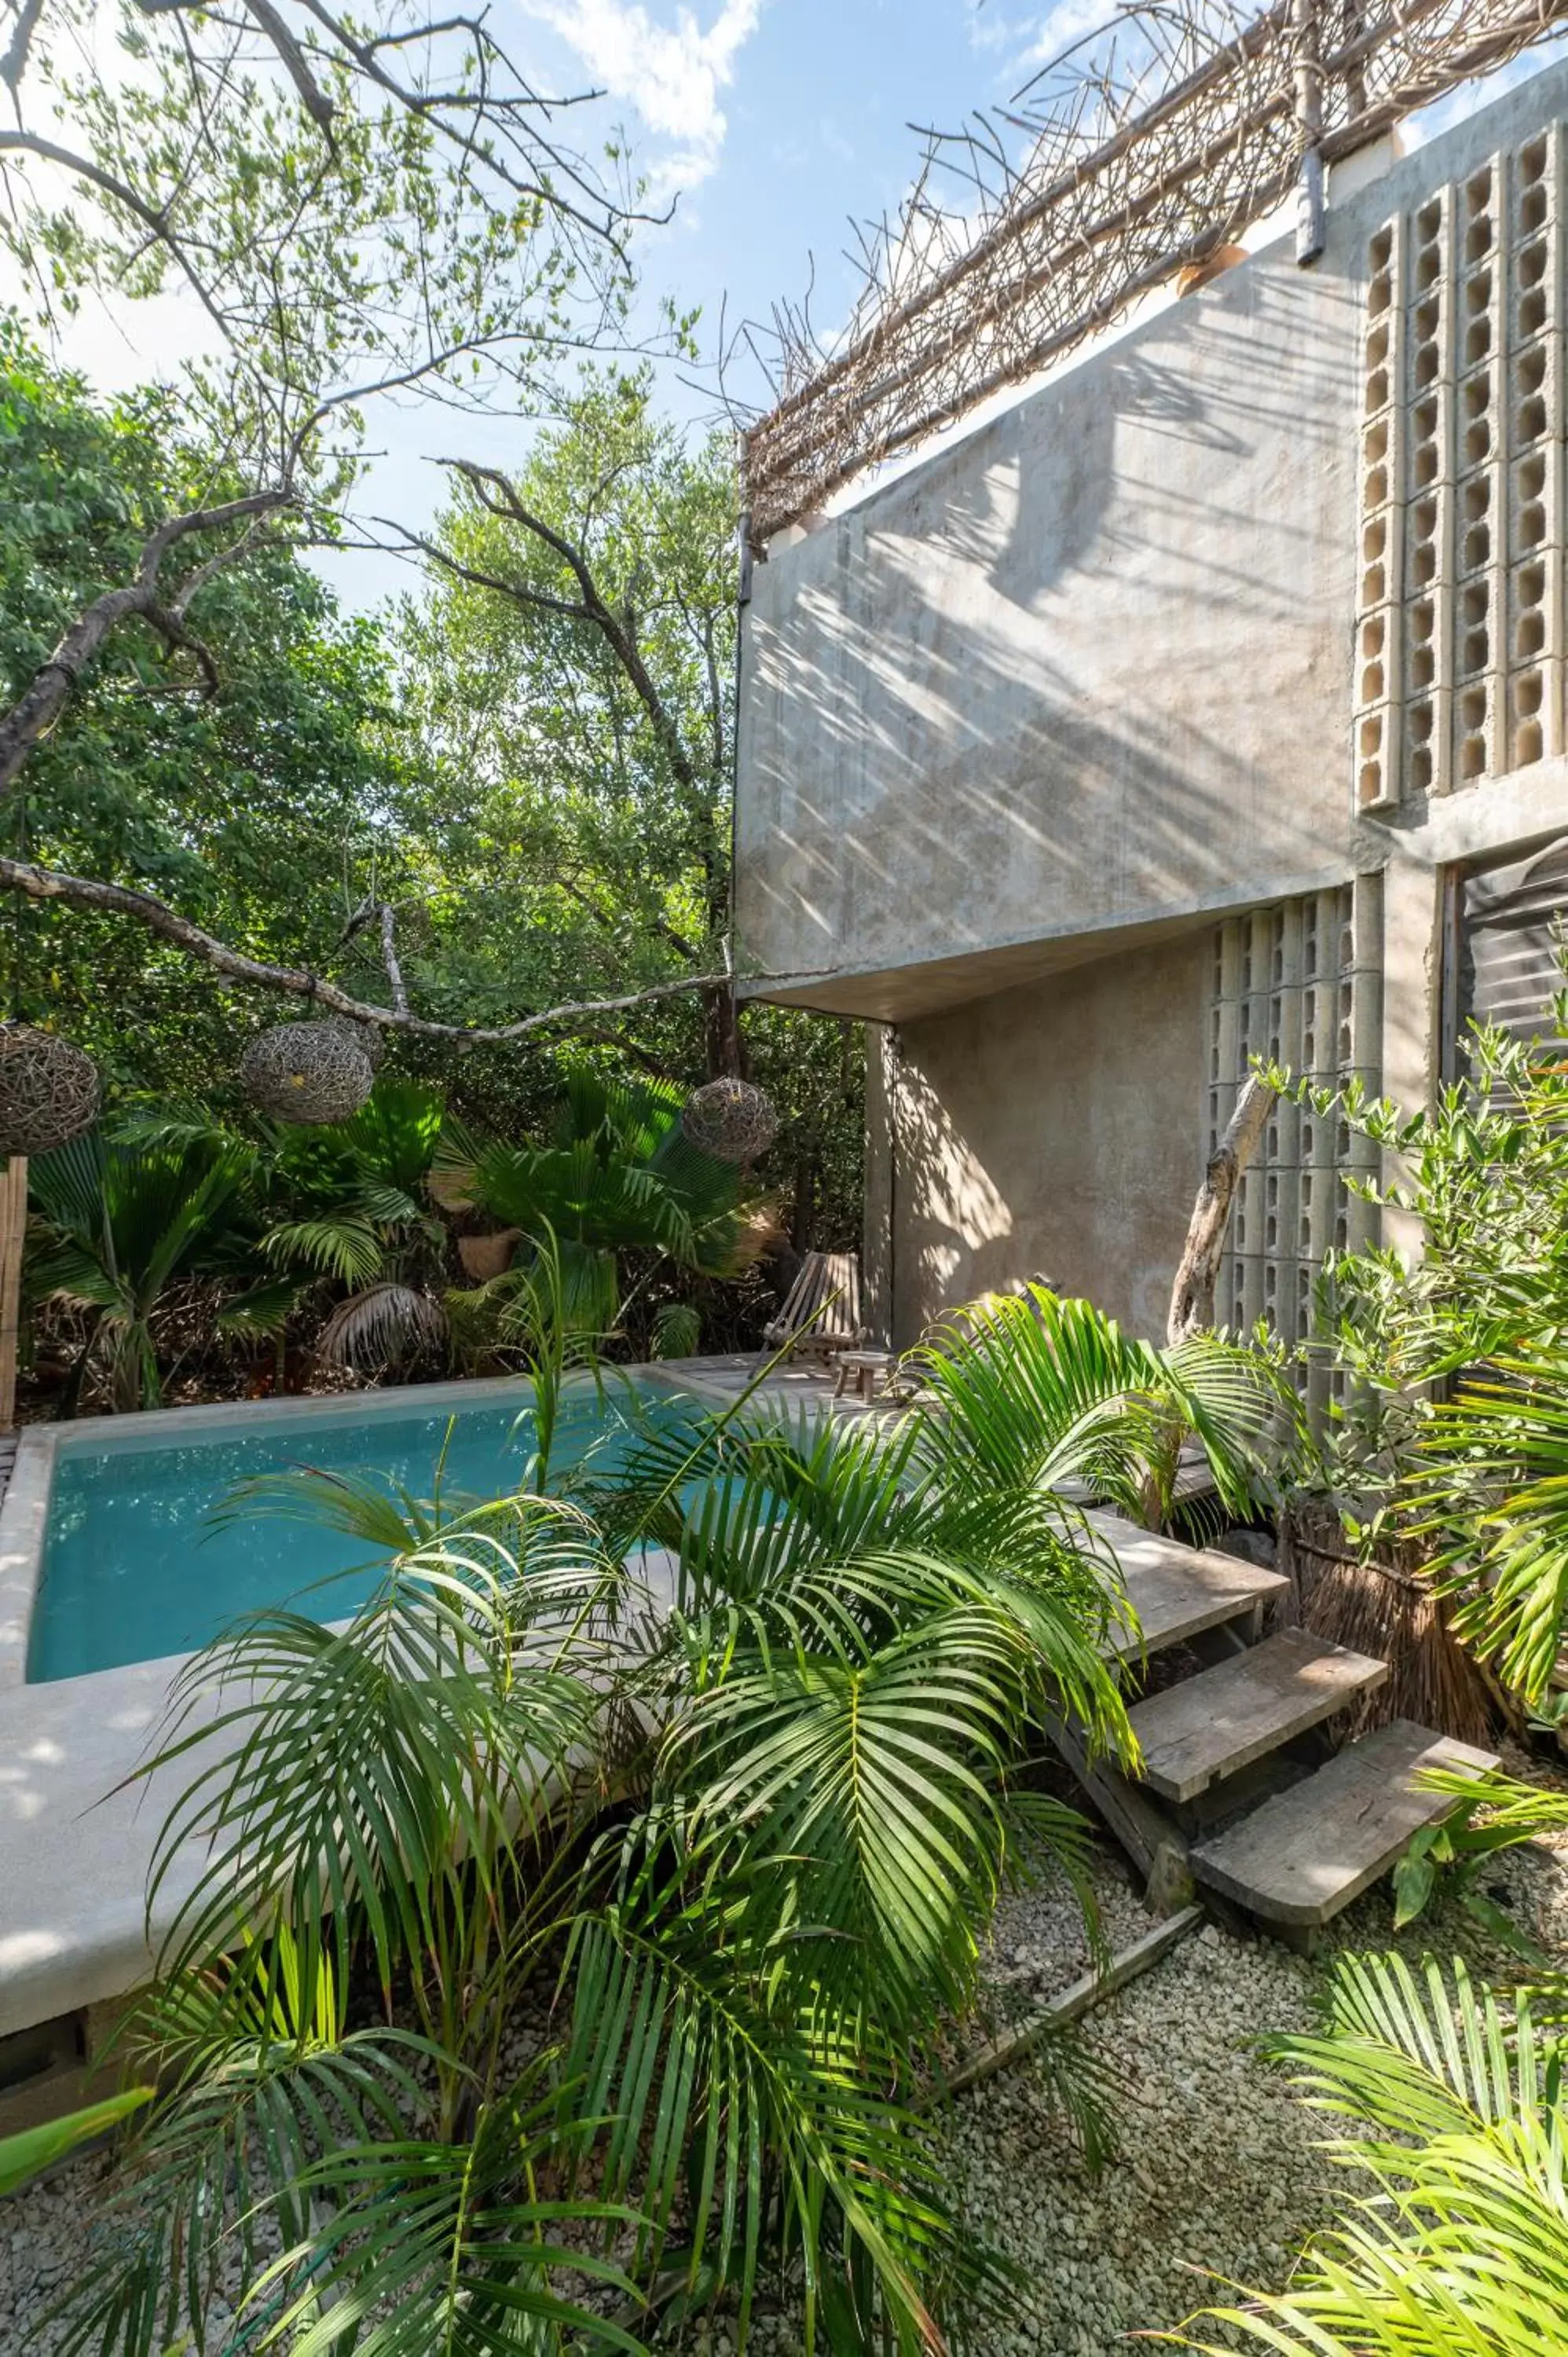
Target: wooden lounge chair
point(821, 1311)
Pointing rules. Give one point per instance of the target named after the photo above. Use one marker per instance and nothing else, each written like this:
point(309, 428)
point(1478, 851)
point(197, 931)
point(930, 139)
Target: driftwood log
point(1192, 1296)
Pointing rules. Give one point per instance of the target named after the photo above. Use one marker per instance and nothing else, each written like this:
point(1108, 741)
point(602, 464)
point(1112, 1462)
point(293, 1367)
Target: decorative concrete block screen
point(1299, 983)
point(1460, 637)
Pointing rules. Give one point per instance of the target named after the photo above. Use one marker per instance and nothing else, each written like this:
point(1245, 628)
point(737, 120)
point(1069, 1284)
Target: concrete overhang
point(900, 994)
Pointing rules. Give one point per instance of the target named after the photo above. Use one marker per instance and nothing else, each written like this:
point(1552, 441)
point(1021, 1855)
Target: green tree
point(571, 671)
point(262, 809)
point(1454, 1427)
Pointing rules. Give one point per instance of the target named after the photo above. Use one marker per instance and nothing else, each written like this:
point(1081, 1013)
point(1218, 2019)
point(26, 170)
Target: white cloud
point(671, 73)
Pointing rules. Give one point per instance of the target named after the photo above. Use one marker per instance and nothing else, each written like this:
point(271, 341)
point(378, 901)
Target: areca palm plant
point(617, 1176)
point(1037, 1389)
point(1459, 2245)
point(728, 1748)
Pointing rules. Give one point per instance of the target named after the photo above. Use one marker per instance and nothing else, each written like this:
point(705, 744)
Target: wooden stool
point(864, 1369)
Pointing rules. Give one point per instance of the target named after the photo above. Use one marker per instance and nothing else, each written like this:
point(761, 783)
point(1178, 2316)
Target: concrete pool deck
point(75, 1841)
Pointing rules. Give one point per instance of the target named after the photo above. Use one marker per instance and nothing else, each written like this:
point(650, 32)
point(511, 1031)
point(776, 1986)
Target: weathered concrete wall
point(1053, 1130)
point(1087, 671)
point(1086, 668)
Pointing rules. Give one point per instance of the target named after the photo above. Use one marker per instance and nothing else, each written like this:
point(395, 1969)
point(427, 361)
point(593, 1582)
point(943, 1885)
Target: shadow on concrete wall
point(1086, 664)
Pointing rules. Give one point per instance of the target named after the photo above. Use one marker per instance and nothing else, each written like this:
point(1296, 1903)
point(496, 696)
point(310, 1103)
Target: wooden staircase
point(1239, 1790)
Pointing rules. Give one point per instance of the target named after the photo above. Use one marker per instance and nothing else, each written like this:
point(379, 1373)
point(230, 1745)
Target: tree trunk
point(723, 1042)
point(1192, 1296)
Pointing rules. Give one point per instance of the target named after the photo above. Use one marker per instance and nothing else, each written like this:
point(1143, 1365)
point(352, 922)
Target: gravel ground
point(1219, 2165)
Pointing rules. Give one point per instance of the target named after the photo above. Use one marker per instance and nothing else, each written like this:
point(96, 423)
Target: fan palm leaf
point(120, 1223)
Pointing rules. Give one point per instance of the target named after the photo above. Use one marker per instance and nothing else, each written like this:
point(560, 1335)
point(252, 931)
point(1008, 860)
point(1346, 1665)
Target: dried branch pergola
point(1140, 151)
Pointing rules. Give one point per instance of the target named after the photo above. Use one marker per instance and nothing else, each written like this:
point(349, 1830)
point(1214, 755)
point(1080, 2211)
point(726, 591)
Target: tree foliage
point(1453, 1425)
point(259, 808)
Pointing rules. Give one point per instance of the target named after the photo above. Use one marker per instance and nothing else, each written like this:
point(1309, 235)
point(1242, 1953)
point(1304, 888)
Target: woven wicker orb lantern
point(730, 1120)
point(368, 1038)
point(48, 1090)
point(306, 1071)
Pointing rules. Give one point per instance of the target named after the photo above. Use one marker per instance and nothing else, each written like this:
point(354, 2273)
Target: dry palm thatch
point(1139, 154)
point(385, 1325)
point(1379, 1603)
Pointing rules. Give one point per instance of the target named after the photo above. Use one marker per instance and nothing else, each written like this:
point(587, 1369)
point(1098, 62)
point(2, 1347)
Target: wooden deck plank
point(1198, 1733)
point(1177, 1590)
point(1302, 1856)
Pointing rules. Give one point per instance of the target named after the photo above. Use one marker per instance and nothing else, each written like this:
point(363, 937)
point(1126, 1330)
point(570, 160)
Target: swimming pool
point(138, 1560)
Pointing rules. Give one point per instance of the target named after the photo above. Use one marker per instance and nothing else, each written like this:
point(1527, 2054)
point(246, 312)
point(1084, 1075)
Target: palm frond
point(346, 1246)
point(263, 1310)
point(379, 1328)
point(725, 2115)
point(1461, 2248)
point(1042, 1390)
point(336, 1780)
point(31, 2150)
point(677, 1330)
point(258, 2073)
point(450, 2246)
point(1492, 1483)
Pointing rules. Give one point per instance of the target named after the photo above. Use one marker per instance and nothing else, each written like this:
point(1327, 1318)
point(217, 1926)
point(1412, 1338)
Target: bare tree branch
point(1192, 1293)
point(13, 64)
point(381, 914)
point(297, 982)
point(500, 496)
point(40, 703)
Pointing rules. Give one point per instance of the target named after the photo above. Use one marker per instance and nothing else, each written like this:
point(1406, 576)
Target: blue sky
point(768, 124)
point(805, 124)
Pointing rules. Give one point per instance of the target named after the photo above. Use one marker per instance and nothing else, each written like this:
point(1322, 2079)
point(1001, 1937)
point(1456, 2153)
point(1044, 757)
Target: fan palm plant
point(343, 1204)
point(617, 1176)
point(1459, 2246)
point(355, 1209)
point(729, 1745)
point(116, 1225)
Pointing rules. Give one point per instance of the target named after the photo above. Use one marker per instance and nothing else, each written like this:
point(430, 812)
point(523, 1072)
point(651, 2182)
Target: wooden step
point(1197, 1733)
point(1302, 1856)
point(1177, 1590)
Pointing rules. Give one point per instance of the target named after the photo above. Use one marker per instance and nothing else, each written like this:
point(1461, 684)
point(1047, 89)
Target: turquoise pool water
point(133, 1567)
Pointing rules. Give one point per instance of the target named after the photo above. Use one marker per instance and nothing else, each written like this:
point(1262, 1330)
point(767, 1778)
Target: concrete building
point(1170, 716)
